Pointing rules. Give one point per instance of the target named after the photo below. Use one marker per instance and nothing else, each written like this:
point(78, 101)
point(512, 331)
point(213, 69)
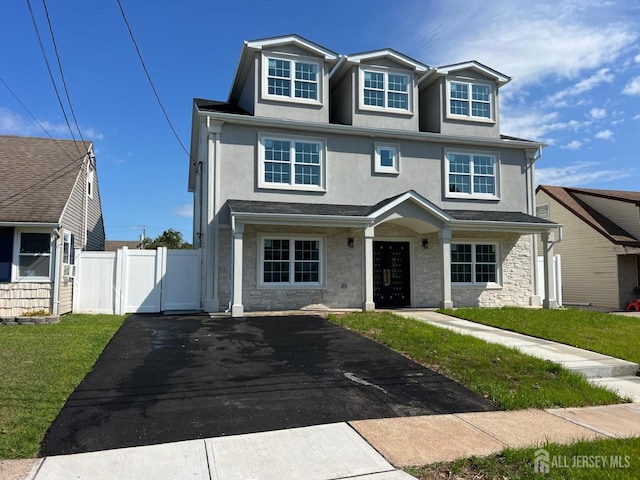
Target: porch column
point(445, 240)
point(550, 300)
point(237, 309)
point(368, 304)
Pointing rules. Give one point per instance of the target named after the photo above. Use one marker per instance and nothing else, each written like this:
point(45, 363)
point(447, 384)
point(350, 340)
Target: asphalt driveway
point(171, 378)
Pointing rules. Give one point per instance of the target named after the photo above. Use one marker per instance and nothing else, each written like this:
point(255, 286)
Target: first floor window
point(288, 162)
point(291, 261)
point(471, 174)
point(6, 253)
point(474, 263)
point(34, 257)
point(68, 254)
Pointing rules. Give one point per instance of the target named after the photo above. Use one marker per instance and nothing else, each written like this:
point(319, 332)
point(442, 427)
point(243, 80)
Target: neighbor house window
point(471, 174)
point(291, 163)
point(6, 253)
point(291, 262)
point(474, 263)
point(388, 90)
point(68, 254)
point(292, 79)
point(387, 158)
point(34, 255)
point(472, 100)
point(542, 211)
point(90, 181)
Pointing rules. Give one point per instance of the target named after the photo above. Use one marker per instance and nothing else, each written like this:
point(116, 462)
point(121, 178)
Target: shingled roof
point(37, 176)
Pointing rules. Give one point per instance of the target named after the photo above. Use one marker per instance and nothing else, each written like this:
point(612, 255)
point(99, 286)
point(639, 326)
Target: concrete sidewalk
point(602, 370)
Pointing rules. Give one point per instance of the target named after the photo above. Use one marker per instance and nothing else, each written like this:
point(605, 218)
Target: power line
point(64, 83)
point(144, 67)
point(46, 61)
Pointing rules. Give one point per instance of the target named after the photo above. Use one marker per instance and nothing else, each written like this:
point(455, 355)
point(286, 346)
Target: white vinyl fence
point(557, 278)
point(137, 281)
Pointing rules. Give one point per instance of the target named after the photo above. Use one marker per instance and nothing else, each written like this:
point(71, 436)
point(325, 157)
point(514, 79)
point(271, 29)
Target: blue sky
point(576, 69)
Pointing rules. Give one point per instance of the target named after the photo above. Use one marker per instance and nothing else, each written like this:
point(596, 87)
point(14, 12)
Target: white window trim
point(15, 273)
point(68, 269)
point(90, 181)
point(386, 72)
point(473, 283)
point(472, 195)
point(542, 205)
point(292, 98)
point(291, 186)
point(377, 160)
point(470, 117)
point(291, 285)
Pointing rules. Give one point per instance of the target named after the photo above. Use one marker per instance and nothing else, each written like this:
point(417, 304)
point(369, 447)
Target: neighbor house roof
point(568, 198)
point(37, 177)
point(114, 245)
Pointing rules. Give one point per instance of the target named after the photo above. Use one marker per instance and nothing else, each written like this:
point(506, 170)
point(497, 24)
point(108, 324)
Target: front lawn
point(40, 366)
point(508, 378)
point(601, 459)
point(610, 334)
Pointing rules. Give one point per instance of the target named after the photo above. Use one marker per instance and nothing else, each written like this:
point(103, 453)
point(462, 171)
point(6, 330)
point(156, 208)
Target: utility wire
point(46, 61)
point(64, 83)
point(144, 67)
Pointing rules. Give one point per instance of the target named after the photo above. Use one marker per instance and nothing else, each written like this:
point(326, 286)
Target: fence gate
point(137, 281)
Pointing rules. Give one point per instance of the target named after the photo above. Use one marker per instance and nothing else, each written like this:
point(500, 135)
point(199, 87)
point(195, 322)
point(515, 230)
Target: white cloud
point(637, 58)
point(637, 117)
point(535, 125)
point(578, 174)
point(12, 123)
point(597, 113)
point(573, 145)
point(92, 134)
point(633, 87)
point(589, 83)
point(185, 210)
point(605, 135)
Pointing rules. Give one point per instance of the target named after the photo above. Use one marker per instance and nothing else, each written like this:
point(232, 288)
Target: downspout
point(55, 296)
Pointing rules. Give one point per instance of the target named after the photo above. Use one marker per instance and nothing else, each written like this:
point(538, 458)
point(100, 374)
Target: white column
point(445, 240)
point(368, 304)
point(549, 281)
point(237, 309)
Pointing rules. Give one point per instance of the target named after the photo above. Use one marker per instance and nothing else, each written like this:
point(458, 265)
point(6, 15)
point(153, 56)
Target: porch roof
point(323, 214)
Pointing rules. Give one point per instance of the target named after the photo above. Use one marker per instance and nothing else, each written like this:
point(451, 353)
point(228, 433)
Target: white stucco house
point(361, 181)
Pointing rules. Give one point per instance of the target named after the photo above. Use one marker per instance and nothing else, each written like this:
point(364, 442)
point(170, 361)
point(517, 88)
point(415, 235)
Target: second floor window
point(292, 163)
point(292, 79)
point(471, 174)
point(472, 100)
point(385, 90)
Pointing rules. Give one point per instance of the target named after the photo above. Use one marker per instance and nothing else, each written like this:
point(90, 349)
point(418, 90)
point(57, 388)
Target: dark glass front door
point(391, 279)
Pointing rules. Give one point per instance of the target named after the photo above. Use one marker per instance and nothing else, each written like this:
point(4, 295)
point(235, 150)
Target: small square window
point(386, 158)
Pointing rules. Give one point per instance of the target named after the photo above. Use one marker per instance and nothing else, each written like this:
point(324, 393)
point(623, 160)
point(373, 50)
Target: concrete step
point(626, 386)
point(603, 367)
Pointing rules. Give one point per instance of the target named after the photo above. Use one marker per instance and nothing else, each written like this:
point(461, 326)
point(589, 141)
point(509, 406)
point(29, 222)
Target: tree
point(169, 238)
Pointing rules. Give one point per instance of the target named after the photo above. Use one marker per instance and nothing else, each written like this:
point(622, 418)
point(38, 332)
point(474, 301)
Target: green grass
point(40, 366)
point(581, 460)
point(615, 335)
point(506, 377)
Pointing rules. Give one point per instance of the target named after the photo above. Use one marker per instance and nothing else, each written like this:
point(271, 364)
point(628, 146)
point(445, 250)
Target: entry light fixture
point(350, 242)
point(425, 243)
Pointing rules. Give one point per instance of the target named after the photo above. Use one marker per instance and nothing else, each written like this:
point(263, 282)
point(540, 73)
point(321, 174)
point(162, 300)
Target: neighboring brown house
point(115, 245)
point(600, 249)
point(49, 206)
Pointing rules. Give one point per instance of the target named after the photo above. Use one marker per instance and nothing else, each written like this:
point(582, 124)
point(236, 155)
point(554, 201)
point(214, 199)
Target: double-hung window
point(291, 262)
point(34, 255)
point(296, 163)
point(474, 263)
point(387, 90)
point(471, 100)
point(471, 175)
point(292, 79)
point(68, 254)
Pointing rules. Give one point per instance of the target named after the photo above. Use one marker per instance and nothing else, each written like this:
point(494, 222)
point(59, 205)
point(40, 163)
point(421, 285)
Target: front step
point(604, 367)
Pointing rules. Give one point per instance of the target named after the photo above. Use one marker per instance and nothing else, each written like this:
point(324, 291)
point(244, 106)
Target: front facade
point(600, 249)
point(49, 207)
point(360, 181)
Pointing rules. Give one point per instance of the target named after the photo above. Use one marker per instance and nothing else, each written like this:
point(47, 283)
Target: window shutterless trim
point(469, 101)
point(474, 263)
point(471, 174)
point(386, 89)
point(291, 284)
point(291, 78)
point(378, 148)
point(17, 245)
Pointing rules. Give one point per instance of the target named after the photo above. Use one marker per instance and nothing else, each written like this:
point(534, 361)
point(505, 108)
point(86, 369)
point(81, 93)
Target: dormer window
point(470, 100)
point(290, 79)
point(385, 90)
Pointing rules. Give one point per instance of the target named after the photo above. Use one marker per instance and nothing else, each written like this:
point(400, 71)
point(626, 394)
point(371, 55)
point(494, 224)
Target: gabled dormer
point(461, 99)
point(284, 77)
point(376, 89)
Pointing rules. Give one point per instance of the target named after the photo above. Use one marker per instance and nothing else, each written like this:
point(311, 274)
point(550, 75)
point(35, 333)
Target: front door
point(391, 279)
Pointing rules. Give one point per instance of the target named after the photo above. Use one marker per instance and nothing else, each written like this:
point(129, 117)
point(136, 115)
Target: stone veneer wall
point(19, 298)
point(516, 288)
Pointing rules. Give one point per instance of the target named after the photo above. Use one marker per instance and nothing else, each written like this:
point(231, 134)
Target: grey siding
point(248, 95)
point(95, 221)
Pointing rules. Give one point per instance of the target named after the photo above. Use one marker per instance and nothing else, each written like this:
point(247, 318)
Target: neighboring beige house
point(361, 181)
point(49, 207)
point(600, 248)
